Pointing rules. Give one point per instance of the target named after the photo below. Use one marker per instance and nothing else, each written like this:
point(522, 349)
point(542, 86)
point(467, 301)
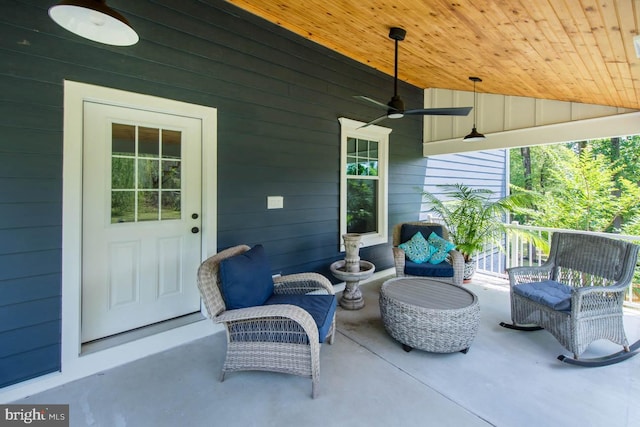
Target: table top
point(428, 293)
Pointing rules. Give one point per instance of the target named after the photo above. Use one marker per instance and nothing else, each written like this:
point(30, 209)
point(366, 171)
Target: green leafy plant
point(474, 216)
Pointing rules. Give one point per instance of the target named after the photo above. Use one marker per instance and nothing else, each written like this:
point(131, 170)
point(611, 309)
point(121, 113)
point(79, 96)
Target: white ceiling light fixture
point(94, 20)
point(474, 136)
point(636, 44)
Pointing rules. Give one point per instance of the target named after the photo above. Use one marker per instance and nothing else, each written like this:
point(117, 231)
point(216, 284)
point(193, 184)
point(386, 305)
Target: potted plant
point(475, 217)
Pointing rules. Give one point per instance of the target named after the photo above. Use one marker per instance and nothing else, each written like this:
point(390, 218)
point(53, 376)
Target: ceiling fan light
point(636, 44)
point(395, 115)
point(94, 20)
point(474, 136)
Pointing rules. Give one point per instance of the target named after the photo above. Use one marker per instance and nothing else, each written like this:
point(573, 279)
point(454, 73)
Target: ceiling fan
point(395, 107)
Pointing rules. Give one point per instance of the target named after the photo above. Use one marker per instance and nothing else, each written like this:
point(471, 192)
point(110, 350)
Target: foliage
point(582, 189)
point(473, 216)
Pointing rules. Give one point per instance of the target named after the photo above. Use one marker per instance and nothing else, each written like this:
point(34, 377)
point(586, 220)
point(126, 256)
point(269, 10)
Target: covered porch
point(508, 378)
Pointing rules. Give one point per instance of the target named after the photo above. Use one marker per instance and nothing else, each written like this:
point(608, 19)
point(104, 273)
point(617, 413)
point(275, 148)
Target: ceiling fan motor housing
point(396, 104)
point(397, 33)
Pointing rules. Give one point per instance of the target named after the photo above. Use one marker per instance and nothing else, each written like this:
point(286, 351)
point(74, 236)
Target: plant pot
point(469, 270)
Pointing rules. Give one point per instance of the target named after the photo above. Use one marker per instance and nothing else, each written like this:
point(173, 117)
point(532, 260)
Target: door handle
point(195, 230)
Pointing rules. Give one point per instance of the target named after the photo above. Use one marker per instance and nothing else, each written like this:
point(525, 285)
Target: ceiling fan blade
point(374, 121)
point(373, 101)
point(456, 111)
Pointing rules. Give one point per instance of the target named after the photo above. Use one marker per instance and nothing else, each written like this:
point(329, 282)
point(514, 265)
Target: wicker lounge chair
point(577, 295)
point(280, 337)
point(450, 272)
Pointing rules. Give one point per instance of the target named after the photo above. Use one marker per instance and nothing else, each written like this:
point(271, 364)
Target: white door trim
point(75, 365)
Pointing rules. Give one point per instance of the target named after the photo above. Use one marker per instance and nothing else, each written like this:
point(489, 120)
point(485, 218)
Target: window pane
point(373, 168)
point(148, 142)
point(352, 167)
point(171, 175)
point(170, 205)
point(373, 149)
point(148, 173)
point(122, 173)
point(171, 144)
point(123, 139)
point(148, 207)
point(363, 148)
point(122, 206)
point(351, 146)
point(362, 202)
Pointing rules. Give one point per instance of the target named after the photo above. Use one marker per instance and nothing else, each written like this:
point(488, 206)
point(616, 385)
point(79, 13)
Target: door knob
point(194, 230)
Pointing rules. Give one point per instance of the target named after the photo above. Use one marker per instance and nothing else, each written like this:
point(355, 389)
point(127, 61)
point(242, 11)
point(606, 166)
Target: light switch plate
point(275, 202)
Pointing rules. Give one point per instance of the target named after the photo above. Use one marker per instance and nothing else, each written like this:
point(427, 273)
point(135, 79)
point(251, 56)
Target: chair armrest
point(266, 312)
point(457, 262)
point(526, 274)
point(302, 283)
point(596, 300)
point(399, 261)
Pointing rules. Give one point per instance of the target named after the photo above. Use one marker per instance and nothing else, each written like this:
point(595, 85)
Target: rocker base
point(611, 359)
point(520, 328)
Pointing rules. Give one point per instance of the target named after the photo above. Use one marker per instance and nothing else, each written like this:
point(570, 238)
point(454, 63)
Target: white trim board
point(75, 365)
point(577, 130)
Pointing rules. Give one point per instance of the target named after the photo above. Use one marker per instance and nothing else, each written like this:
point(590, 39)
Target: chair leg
point(222, 375)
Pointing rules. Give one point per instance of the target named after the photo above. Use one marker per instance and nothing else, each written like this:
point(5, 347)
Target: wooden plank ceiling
point(568, 50)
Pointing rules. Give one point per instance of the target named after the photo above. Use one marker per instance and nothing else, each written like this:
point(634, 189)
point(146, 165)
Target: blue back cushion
point(320, 307)
point(246, 279)
point(444, 269)
point(408, 230)
point(548, 292)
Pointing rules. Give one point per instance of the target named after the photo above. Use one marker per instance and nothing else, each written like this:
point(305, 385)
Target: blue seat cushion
point(444, 269)
point(553, 294)
point(320, 307)
point(246, 279)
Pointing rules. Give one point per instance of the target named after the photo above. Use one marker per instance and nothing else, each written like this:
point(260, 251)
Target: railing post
point(514, 246)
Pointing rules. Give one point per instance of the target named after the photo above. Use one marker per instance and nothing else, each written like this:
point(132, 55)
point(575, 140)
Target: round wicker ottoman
point(429, 314)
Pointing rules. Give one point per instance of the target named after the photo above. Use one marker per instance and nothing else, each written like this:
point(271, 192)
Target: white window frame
point(353, 129)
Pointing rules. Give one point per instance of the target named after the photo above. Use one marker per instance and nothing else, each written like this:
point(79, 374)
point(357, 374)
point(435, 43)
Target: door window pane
point(148, 206)
point(171, 147)
point(170, 205)
point(123, 139)
point(147, 174)
point(171, 175)
point(122, 173)
point(148, 142)
point(123, 206)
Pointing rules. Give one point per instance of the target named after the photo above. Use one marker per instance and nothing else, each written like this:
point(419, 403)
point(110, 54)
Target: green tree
point(585, 191)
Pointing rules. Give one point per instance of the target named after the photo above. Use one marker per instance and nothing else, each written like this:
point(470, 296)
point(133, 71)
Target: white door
point(141, 219)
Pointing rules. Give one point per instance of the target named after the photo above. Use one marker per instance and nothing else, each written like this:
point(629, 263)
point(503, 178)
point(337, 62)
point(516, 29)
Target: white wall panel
point(510, 121)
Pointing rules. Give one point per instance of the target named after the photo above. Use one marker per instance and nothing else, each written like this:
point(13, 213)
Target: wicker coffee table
point(429, 314)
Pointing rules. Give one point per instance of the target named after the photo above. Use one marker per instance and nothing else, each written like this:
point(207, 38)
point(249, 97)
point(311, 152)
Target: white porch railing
point(515, 251)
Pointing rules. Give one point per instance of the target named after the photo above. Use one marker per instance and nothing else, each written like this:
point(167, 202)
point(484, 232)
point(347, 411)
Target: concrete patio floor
point(508, 378)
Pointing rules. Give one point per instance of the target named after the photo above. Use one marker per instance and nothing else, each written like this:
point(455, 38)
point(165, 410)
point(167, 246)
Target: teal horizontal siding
point(278, 98)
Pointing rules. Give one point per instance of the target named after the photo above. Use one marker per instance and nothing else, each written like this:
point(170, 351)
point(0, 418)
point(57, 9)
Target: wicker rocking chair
point(577, 295)
point(278, 336)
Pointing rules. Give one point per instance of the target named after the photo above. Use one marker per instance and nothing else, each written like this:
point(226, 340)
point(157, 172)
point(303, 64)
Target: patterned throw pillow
point(417, 249)
point(441, 248)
